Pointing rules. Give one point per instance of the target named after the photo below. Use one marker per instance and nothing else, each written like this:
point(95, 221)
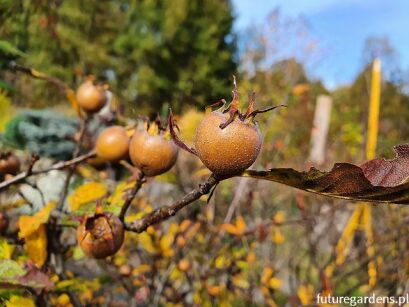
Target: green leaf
point(12, 275)
point(8, 49)
point(10, 269)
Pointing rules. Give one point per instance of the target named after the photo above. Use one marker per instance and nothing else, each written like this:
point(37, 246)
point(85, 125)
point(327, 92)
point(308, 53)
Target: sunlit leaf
point(145, 241)
point(10, 269)
point(142, 268)
point(306, 294)
point(34, 233)
point(30, 224)
point(237, 229)
point(277, 236)
point(275, 283)
point(117, 198)
point(19, 301)
point(279, 217)
point(86, 193)
point(77, 284)
point(240, 281)
point(213, 290)
point(6, 249)
point(36, 245)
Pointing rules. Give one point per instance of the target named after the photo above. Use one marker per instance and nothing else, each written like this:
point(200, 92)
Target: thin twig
point(57, 166)
point(39, 75)
point(241, 189)
point(166, 212)
point(138, 184)
point(71, 169)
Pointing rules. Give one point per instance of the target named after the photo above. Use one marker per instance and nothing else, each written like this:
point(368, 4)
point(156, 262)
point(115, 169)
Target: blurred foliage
point(6, 110)
point(44, 133)
point(145, 49)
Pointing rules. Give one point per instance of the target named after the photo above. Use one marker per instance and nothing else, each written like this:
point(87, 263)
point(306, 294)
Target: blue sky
point(341, 28)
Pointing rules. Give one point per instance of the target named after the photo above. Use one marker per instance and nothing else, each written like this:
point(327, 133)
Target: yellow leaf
point(117, 198)
point(188, 124)
point(63, 300)
point(184, 225)
point(29, 224)
point(241, 225)
point(251, 257)
point(221, 262)
point(277, 236)
point(145, 241)
point(306, 294)
point(192, 231)
point(153, 129)
point(175, 274)
point(275, 283)
point(240, 282)
point(230, 228)
point(20, 301)
point(213, 290)
point(65, 284)
point(238, 229)
point(142, 268)
point(86, 193)
point(267, 273)
point(6, 249)
point(36, 245)
point(86, 171)
point(300, 89)
point(270, 302)
point(203, 172)
point(165, 244)
point(279, 217)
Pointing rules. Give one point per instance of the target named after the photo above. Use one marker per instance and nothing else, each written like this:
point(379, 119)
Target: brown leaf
point(35, 278)
point(13, 276)
point(377, 180)
point(389, 173)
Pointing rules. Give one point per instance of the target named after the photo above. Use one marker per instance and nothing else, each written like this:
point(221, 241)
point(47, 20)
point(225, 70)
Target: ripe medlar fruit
point(9, 164)
point(230, 150)
point(112, 144)
point(101, 235)
point(226, 140)
point(152, 150)
point(91, 98)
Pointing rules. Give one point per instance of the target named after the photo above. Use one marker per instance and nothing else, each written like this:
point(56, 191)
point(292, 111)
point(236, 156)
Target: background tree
point(156, 52)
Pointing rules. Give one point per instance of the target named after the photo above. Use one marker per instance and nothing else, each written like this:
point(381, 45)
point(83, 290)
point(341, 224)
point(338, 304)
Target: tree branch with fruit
point(227, 141)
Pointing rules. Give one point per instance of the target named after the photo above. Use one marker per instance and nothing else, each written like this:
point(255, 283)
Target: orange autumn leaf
point(237, 229)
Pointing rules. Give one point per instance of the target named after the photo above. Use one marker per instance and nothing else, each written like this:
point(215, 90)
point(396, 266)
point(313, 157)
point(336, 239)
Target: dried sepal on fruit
point(227, 141)
point(100, 235)
point(9, 164)
point(90, 97)
point(112, 144)
point(152, 149)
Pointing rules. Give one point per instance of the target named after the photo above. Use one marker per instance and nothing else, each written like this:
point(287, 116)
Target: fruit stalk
point(166, 212)
point(140, 180)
